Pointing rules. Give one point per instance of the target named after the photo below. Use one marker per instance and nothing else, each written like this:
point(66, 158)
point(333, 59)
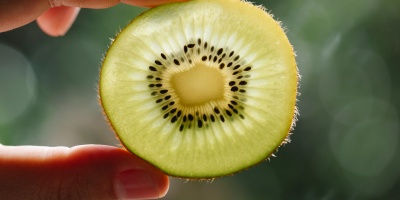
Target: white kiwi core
point(198, 85)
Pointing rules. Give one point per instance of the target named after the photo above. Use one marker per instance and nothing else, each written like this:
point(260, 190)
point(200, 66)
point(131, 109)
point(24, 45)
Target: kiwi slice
point(201, 89)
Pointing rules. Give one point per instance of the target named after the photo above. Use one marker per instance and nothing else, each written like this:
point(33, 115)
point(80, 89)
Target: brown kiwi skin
point(211, 178)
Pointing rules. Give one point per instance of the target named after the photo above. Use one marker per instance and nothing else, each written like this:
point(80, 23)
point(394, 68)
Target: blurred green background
point(345, 145)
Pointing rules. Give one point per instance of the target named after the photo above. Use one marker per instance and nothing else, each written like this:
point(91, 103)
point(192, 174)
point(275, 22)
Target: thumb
point(57, 21)
point(81, 172)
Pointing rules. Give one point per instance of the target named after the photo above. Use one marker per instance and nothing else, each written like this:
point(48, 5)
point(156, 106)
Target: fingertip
point(163, 185)
point(139, 184)
point(58, 20)
point(161, 181)
point(150, 4)
point(97, 171)
point(134, 178)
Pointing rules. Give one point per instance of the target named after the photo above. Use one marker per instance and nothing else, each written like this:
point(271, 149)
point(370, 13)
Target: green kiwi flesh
point(201, 89)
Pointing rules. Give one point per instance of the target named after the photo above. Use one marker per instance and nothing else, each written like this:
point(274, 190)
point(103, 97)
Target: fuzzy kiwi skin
point(286, 140)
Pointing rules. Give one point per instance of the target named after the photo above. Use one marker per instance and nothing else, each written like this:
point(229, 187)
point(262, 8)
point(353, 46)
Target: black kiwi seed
point(152, 69)
point(173, 119)
point(179, 113)
point(247, 69)
point(219, 51)
point(212, 118)
point(163, 56)
point(158, 62)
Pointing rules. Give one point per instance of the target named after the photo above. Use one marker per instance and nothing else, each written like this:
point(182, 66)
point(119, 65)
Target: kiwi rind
point(285, 140)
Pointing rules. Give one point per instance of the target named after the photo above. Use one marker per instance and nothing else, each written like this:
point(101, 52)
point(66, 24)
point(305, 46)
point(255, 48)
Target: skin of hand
point(81, 172)
point(55, 17)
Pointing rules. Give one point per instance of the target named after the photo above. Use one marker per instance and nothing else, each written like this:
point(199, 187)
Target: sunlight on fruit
point(198, 83)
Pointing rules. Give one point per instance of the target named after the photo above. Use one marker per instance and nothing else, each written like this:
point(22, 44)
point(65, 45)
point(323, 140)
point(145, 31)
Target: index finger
point(108, 3)
point(16, 13)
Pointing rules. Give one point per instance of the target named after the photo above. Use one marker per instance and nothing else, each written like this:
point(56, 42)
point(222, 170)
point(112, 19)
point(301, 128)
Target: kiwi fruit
point(201, 89)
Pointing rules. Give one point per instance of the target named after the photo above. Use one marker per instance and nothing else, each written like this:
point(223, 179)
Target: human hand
point(82, 172)
point(55, 17)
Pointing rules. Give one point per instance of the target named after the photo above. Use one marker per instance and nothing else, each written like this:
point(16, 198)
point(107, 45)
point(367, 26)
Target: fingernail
point(136, 184)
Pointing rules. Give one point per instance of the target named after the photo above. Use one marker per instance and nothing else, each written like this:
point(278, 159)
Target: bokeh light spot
point(17, 84)
point(365, 146)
